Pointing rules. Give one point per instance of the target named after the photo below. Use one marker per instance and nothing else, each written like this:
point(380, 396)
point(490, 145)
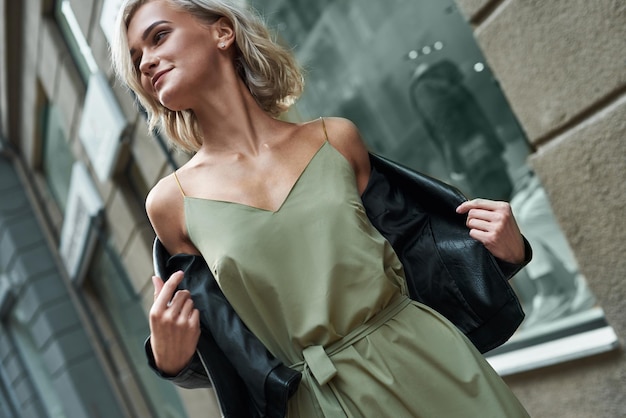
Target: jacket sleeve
point(445, 268)
point(248, 380)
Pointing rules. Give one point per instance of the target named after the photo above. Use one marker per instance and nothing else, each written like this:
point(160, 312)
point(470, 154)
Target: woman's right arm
point(174, 325)
point(174, 321)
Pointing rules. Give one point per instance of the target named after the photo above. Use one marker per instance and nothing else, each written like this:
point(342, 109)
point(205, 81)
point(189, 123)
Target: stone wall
point(561, 65)
point(38, 66)
point(45, 319)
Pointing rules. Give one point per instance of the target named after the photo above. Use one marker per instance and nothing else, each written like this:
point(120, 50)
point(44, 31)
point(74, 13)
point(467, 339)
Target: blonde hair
point(269, 70)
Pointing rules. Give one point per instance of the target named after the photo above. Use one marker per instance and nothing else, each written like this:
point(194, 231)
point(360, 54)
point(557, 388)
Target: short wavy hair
point(268, 69)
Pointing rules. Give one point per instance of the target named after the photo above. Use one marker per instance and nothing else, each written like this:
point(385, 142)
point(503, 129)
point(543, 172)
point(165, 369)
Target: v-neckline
point(260, 209)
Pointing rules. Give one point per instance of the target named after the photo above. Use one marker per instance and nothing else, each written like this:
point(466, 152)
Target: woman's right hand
point(174, 325)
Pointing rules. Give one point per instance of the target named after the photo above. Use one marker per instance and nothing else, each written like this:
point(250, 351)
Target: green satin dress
point(325, 292)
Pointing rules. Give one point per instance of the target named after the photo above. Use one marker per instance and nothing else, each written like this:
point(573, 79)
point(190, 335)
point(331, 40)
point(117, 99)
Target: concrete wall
point(47, 316)
point(38, 66)
point(561, 65)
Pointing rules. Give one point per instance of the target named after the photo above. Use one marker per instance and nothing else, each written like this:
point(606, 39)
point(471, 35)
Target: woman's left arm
point(493, 224)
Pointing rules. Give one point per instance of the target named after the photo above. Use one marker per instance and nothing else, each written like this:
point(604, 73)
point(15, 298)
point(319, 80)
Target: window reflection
point(57, 157)
point(39, 375)
point(122, 326)
point(460, 131)
point(412, 78)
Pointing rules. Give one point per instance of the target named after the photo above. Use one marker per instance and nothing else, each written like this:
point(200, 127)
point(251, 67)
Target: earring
point(222, 45)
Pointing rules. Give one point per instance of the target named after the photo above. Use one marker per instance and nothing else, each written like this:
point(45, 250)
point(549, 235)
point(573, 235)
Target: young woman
point(274, 208)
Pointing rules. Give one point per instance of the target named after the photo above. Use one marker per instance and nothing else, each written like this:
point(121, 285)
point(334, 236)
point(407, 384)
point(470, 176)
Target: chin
point(174, 108)
point(170, 103)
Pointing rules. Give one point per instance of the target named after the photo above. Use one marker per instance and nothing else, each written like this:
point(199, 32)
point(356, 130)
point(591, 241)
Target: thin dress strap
point(179, 186)
point(324, 126)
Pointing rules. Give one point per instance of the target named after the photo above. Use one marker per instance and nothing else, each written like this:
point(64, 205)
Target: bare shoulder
point(343, 133)
point(165, 209)
point(159, 197)
point(345, 137)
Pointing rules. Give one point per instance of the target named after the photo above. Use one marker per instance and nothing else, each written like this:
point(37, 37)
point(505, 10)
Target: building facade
point(508, 99)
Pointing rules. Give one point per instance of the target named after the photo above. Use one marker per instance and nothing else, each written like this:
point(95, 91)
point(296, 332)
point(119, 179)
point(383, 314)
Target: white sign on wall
point(82, 218)
point(101, 126)
point(108, 16)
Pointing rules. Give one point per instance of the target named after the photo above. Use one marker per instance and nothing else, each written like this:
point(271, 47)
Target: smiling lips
point(158, 76)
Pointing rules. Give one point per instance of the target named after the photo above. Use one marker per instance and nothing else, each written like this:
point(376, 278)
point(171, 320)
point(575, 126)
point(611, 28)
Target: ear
point(225, 32)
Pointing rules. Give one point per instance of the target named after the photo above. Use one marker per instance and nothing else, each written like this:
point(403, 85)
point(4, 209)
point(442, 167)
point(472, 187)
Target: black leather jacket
point(445, 268)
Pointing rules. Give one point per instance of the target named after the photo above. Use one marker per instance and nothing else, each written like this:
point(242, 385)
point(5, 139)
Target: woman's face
point(173, 53)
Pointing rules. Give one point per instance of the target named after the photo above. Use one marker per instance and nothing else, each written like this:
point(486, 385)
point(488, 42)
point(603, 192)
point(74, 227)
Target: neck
point(233, 123)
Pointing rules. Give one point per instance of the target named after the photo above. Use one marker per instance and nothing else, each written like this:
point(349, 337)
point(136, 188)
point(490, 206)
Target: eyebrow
point(146, 32)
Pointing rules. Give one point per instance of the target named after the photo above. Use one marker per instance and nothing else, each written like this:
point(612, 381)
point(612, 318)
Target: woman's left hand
point(493, 224)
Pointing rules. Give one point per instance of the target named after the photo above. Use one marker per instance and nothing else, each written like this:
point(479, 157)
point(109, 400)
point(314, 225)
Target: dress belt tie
point(317, 359)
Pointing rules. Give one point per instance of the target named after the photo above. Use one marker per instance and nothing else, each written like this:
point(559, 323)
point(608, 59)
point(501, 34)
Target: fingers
point(164, 292)
point(194, 319)
point(176, 318)
point(187, 308)
point(480, 211)
point(492, 223)
point(174, 333)
point(479, 224)
point(487, 238)
point(169, 303)
point(467, 206)
point(158, 285)
point(487, 220)
point(486, 204)
point(178, 302)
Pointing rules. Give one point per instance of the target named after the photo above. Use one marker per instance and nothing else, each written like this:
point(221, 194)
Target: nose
point(148, 63)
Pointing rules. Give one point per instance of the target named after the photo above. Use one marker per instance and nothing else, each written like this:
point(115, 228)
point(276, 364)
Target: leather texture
point(248, 366)
point(445, 268)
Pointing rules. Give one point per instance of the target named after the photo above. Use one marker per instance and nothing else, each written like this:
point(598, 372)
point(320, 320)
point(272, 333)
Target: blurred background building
point(513, 100)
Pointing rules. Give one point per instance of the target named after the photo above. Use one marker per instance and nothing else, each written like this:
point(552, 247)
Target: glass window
point(57, 157)
point(115, 309)
point(7, 405)
point(121, 322)
point(412, 78)
point(79, 48)
point(37, 370)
